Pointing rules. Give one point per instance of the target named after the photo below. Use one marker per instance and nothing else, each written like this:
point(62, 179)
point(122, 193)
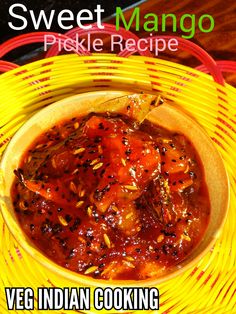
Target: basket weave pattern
point(210, 286)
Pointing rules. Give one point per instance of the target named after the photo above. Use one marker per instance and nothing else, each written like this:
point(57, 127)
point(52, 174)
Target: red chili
point(104, 198)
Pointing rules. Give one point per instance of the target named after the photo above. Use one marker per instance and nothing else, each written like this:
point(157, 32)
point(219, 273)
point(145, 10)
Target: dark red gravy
point(106, 198)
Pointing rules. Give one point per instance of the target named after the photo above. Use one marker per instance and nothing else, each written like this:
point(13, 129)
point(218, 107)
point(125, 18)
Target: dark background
point(47, 5)
point(58, 5)
point(220, 43)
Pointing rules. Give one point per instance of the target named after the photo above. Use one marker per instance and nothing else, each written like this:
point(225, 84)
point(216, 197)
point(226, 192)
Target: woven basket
point(210, 286)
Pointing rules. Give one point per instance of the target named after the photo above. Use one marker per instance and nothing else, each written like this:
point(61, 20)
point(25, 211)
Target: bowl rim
point(67, 274)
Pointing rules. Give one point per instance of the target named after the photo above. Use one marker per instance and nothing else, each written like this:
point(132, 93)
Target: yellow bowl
point(167, 116)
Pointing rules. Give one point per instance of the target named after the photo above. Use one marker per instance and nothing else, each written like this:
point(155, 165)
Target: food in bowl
point(110, 198)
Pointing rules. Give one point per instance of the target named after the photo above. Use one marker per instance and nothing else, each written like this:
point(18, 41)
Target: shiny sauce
point(111, 199)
